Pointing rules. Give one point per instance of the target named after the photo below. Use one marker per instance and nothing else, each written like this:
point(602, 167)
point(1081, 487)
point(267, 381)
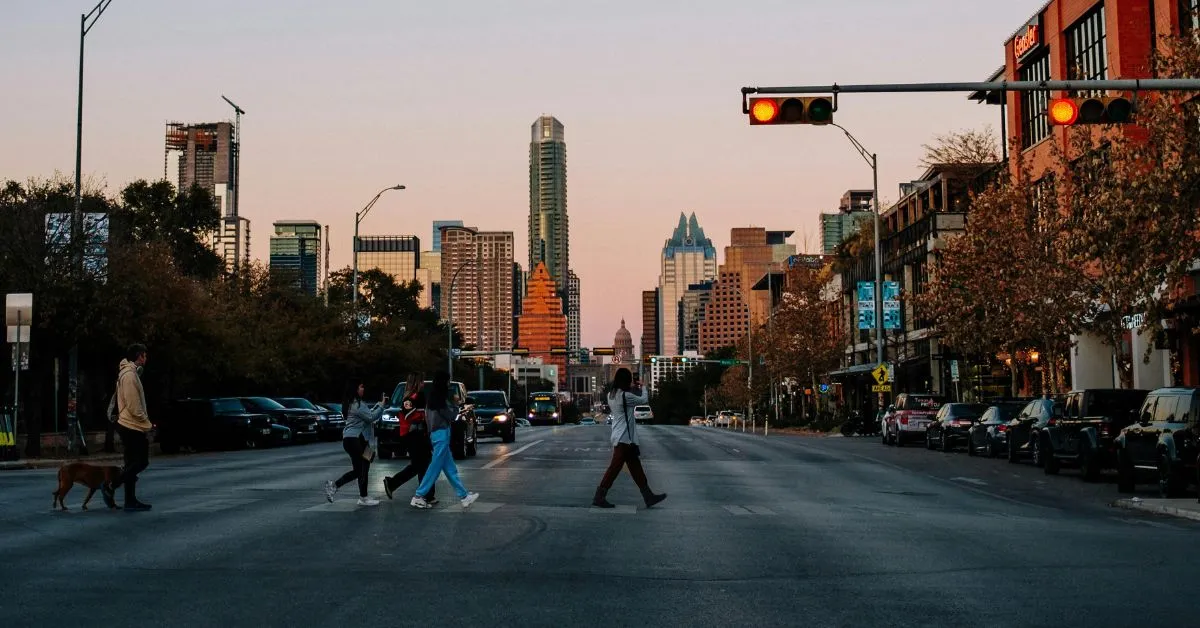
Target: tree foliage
point(968, 147)
point(806, 338)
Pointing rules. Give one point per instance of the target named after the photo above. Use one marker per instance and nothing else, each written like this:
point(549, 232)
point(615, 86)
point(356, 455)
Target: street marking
point(974, 481)
point(212, 505)
point(623, 509)
point(1153, 524)
point(737, 451)
point(482, 507)
point(759, 510)
point(508, 455)
point(340, 505)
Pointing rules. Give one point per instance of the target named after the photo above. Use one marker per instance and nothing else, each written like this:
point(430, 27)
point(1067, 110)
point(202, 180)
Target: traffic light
point(1093, 110)
point(791, 110)
point(520, 351)
point(602, 351)
point(683, 360)
point(558, 351)
point(654, 359)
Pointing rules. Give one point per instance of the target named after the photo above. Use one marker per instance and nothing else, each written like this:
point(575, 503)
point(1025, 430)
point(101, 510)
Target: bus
point(544, 409)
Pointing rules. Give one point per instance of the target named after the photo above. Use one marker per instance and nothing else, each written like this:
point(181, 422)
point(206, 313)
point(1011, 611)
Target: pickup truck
point(1084, 435)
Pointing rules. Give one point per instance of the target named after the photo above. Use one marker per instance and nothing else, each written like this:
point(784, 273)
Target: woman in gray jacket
point(622, 399)
point(358, 439)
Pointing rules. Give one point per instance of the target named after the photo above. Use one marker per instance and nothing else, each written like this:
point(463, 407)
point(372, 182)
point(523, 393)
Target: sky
point(345, 98)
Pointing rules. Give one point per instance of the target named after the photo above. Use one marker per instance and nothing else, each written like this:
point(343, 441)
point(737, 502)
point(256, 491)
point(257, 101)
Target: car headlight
point(500, 417)
point(554, 416)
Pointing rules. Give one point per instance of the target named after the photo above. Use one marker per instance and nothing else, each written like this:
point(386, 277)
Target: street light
point(873, 161)
point(449, 296)
point(358, 217)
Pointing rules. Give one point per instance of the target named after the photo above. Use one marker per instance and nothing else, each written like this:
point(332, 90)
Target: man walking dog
point(134, 425)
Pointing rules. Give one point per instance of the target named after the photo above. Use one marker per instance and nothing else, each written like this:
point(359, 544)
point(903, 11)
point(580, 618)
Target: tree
point(968, 147)
point(183, 221)
point(806, 338)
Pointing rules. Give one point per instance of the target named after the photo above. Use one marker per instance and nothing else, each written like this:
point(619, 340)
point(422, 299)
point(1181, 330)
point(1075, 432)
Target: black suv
point(493, 414)
point(303, 423)
point(330, 423)
point(1025, 429)
point(1164, 440)
point(463, 432)
point(1089, 425)
point(211, 424)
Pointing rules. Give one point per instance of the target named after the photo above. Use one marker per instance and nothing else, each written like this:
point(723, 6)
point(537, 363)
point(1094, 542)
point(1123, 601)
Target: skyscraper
point(207, 155)
point(691, 312)
point(482, 296)
point(548, 229)
point(650, 344)
point(542, 325)
point(853, 210)
point(734, 307)
point(437, 232)
point(688, 257)
point(296, 254)
point(398, 256)
point(574, 331)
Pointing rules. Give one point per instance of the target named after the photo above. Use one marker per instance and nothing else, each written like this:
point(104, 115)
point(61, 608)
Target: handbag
point(368, 453)
point(634, 449)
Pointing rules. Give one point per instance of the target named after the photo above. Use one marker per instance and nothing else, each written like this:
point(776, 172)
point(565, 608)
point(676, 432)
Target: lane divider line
point(506, 456)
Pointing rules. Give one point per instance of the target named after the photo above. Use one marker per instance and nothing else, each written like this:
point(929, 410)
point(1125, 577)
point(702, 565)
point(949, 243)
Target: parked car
point(950, 424)
point(494, 416)
point(463, 432)
point(643, 414)
point(913, 413)
point(1084, 435)
point(1165, 439)
point(724, 418)
point(211, 424)
point(303, 423)
point(1024, 429)
point(883, 416)
point(989, 433)
point(330, 423)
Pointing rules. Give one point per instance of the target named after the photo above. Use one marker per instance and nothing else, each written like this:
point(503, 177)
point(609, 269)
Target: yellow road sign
point(880, 374)
point(881, 388)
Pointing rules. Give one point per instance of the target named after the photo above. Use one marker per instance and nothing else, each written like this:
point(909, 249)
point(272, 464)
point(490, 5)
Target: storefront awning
point(857, 369)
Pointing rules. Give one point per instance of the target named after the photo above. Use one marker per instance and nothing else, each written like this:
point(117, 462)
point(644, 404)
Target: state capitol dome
point(623, 345)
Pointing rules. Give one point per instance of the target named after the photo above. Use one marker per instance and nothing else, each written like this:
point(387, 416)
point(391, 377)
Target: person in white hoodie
point(622, 399)
point(133, 423)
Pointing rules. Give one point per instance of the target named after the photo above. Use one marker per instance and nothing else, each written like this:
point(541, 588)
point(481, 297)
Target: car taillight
point(1002, 428)
point(904, 420)
point(1051, 422)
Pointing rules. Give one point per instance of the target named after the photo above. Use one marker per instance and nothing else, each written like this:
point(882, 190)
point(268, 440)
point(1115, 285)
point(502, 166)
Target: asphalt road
point(778, 531)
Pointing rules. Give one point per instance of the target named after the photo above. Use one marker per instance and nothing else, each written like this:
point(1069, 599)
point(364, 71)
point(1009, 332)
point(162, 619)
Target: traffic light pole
point(1127, 85)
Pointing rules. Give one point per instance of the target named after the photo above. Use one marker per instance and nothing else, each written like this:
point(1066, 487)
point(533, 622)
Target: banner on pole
point(891, 305)
point(866, 305)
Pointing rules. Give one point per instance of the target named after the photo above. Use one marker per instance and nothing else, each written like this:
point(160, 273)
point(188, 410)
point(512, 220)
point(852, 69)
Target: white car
point(641, 414)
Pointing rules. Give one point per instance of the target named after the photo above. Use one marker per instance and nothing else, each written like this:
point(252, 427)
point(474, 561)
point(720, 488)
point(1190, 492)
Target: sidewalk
point(1185, 507)
point(54, 463)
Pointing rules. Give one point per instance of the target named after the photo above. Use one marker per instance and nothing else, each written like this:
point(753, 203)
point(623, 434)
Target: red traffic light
point(791, 110)
point(1063, 112)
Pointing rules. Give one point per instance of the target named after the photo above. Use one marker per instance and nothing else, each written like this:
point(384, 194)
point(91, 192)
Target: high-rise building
point(437, 232)
point(734, 307)
point(650, 322)
point(623, 346)
point(853, 210)
point(518, 282)
point(548, 230)
point(691, 313)
point(296, 254)
point(480, 301)
point(574, 330)
point(430, 277)
point(688, 257)
point(207, 155)
point(542, 325)
point(398, 255)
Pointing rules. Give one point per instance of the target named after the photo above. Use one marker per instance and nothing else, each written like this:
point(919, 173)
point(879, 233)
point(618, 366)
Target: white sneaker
point(330, 491)
point(469, 499)
point(419, 502)
point(368, 501)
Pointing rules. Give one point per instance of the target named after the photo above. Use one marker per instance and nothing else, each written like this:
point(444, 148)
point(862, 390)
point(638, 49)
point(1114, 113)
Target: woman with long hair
point(440, 411)
point(622, 398)
point(416, 438)
point(358, 439)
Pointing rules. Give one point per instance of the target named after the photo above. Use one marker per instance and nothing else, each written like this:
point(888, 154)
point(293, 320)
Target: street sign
point(456, 352)
point(729, 362)
point(824, 388)
point(866, 305)
point(24, 358)
point(881, 374)
point(881, 388)
point(954, 370)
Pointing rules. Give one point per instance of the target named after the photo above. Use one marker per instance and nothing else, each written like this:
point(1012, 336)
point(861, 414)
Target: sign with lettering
point(891, 305)
point(866, 305)
point(1029, 40)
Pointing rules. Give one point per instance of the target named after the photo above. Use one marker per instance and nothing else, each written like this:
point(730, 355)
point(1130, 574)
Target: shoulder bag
point(634, 449)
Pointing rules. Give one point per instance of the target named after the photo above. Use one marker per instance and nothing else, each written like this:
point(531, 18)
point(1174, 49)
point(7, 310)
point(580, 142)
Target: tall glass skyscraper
point(548, 230)
point(688, 258)
point(296, 253)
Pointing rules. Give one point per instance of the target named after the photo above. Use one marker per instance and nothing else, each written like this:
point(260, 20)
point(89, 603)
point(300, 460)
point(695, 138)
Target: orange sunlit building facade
point(542, 325)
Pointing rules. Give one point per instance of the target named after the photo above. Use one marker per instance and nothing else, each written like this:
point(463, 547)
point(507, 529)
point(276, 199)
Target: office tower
point(437, 232)
point(574, 332)
point(650, 322)
point(296, 254)
point(854, 209)
point(477, 285)
point(430, 277)
point(548, 229)
point(207, 155)
point(734, 308)
point(396, 255)
point(518, 283)
point(688, 257)
point(691, 312)
point(542, 325)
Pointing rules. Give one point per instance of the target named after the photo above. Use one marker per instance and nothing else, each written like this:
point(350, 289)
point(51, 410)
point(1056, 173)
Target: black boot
point(600, 500)
point(131, 501)
point(651, 498)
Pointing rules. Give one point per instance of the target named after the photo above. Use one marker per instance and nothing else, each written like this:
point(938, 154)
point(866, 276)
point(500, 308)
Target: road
point(757, 531)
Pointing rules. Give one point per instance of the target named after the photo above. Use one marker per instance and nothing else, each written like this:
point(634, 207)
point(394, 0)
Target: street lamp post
point(358, 217)
point(873, 161)
point(449, 296)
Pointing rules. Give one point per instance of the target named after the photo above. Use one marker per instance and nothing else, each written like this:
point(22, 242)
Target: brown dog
point(91, 476)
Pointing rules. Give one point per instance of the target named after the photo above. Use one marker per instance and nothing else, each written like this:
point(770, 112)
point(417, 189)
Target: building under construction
point(206, 155)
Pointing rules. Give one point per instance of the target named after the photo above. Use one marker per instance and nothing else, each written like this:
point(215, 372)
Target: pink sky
point(343, 99)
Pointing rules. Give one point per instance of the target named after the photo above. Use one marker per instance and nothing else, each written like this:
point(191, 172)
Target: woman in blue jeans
point(440, 410)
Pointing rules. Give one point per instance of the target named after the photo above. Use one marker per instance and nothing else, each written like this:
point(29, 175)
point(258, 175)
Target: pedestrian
point(622, 398)
point(358, 439)
point(440, 411)
point(416, 439)
point(133, 425)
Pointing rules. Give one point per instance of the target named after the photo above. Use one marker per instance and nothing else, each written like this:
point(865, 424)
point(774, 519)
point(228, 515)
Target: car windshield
point(262, 403)
point(456, 391)
point(966, 410)
point(1008, 411)
point(336, 407)
point(489, 399)
point(227, 405)
point(298, 403)
point(542, 406)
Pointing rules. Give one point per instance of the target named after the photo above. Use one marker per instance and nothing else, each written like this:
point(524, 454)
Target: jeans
point(420, 453)
point(623, 456)
point(355, 447)
point(136, 446)
point(442, 462)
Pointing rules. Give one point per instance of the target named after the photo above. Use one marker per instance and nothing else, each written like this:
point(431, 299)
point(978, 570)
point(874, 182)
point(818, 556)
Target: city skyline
point(373, 130)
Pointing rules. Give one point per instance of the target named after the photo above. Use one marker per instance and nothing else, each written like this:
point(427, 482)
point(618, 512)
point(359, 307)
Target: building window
point(1034, 124)
point(1189, 15)
point(1087, 54)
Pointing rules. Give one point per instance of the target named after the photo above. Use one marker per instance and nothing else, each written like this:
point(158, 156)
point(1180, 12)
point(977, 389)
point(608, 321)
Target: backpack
point(114, 413)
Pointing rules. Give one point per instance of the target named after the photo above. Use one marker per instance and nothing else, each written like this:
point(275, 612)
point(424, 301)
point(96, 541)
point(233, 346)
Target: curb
point(1155, 506)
